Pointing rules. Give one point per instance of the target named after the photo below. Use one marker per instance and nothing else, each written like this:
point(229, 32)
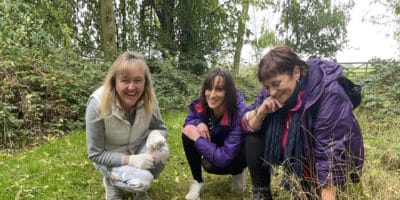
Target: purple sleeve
point(193, 117)
point(259, 99)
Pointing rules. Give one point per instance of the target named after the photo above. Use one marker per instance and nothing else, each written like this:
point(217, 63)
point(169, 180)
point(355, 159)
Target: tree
point(391, 17)
point(166, 17)
point(314, 28)
point(240, 36)
point(107, 32)
point(267, 38)
point(194, 33)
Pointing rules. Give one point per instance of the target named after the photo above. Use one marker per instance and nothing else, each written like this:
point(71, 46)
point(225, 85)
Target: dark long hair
point(280, 60)
point(230, 100)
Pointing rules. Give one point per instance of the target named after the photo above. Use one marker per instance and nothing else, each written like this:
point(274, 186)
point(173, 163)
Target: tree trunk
point(240, 37)
point(165, 11)
point(107, 30)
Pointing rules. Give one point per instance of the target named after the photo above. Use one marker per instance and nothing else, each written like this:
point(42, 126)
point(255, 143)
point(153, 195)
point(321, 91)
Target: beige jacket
point(109, 139)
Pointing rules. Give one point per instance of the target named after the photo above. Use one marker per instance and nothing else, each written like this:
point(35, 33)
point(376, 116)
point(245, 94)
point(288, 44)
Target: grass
point(60, 169)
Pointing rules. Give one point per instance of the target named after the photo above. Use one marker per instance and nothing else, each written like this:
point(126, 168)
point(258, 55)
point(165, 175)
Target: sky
point(366, 40)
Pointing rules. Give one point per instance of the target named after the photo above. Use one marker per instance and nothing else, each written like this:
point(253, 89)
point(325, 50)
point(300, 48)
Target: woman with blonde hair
point(126, 136)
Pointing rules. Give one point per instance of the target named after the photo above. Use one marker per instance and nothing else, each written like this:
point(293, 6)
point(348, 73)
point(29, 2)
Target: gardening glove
point(141, 161)
point(155, 140)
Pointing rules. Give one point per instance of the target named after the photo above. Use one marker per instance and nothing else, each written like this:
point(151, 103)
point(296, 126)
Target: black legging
point(196, 161)
point(260, 174)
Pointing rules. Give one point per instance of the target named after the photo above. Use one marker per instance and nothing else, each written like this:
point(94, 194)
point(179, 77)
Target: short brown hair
point(280, 60)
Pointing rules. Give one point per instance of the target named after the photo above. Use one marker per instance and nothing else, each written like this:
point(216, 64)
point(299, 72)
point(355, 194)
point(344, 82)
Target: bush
point(381, 90)
point(174, 88)
point(45, 97)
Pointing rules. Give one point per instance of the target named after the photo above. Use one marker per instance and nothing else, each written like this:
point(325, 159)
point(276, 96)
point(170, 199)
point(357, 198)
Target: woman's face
point(282, 86)
point(130, 86)
point(215, 95)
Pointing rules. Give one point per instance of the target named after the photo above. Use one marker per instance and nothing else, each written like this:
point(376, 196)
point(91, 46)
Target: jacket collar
point(225, 117)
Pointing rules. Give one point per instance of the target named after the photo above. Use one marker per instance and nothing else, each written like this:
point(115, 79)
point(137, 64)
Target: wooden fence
point(356, 69)
point(359, 69)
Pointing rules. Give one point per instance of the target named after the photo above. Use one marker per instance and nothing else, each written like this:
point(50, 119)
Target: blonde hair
point(120, 66)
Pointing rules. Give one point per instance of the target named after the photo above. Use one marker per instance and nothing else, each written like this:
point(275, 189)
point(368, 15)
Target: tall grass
point(60, 169)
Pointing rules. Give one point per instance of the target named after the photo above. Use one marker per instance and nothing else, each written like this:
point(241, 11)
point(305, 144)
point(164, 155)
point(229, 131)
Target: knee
point(254, 145)
point(208, 166)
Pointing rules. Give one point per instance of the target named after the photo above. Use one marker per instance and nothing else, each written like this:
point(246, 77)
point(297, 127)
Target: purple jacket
point(333, 141)
point(226, 137)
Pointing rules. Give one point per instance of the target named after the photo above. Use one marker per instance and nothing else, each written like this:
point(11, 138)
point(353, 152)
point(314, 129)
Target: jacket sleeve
point(157, 123)
point(193, 117)
point(222, 156)
point(258, 101)
point(332, 130)
point(95, 134)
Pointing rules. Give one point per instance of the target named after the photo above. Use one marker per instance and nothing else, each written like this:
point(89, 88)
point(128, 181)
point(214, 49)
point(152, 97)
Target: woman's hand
point(191, 132)
point(256, 117)
point(269, 105)
point(203, 131)
point(328, 192)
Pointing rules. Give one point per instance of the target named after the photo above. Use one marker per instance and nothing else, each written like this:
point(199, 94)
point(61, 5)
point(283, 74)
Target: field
point(60, 169)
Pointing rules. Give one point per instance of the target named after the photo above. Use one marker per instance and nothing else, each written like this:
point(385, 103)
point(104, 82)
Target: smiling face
point(130, 86)
point(215, 95)
point(282, 86)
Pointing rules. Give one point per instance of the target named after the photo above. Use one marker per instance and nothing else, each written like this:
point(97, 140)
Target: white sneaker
point(238, 183)
point(196, 189)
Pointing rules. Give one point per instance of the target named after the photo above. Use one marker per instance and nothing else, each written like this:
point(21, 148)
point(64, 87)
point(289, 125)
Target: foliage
point(21, 32)
point(248, 84)
point(314, 28)
point(175, 89)
point(41, 18)
point(382, 90)
point(60, 169)
point(267, 38)
point(184, 30)
point(391, 16)
point(38, 99)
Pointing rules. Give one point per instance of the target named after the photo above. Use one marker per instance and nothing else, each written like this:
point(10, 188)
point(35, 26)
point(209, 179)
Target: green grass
point(60, 169)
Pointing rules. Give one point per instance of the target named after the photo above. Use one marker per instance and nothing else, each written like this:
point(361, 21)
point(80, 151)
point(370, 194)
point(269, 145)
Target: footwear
point(238, 183)
point(196, 189)
point(141, 196)
point(262, 194)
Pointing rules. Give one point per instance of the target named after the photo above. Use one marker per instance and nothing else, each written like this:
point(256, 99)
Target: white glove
point(155, 140)
point(141, 161)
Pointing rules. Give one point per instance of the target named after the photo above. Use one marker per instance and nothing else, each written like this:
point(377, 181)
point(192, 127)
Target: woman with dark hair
point(302, 119)
point(212, 135)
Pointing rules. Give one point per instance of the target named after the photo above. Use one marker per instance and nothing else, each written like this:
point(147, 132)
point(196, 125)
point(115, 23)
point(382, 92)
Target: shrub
point(45, 97)
point(381, 90)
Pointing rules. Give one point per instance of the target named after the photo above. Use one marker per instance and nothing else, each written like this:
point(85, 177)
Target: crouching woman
point(126, 136)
